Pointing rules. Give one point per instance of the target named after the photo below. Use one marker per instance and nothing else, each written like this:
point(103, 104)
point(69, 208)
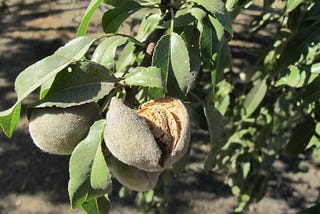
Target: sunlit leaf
point(254, 97)
point(292, 4)
point(146, 77)
point(217, 9)
point(89, 175)
point(295, 78)
point(42, 71)
point(93, 6)
point(148, 25)
point(106, 51)
point(81, 82)
point(125, 59)
point(99, 205)
point(171, 55)
point(10, 118)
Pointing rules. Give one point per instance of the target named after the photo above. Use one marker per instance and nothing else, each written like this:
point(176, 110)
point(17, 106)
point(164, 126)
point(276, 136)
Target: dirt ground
point(33, 182)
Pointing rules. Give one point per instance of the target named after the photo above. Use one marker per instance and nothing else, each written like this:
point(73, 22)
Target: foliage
point(181, 49)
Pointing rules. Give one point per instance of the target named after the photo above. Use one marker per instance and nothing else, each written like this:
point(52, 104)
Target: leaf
point(10, 118)
point(40, 72)
point(93, 6)
point(254, 97)
point(148, 25)
point(312, 91)
point(179, 166)
point(113, 18)
point(217, 135)
point(182, 18)
point(161, 55)
point(297, 46)
point(217, 9)
point(125, 59)
point(171, 55)
point(100, 205)
point(180, 62)
point(146, 77)
point(300, 137)
point(86, 183)
point(294, 79)
point(222, 56)
point(206, 44)
point(292, 4)
point(117, 3)
point(82, 82)
point(106, 51)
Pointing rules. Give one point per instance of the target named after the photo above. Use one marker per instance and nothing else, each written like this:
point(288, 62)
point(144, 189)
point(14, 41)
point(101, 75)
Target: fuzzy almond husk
point(132, 177)
point(151, 138)
point(58, 130)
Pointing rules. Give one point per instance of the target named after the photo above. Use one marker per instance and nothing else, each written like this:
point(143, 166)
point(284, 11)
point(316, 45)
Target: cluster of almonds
point(142, 142)
point(146, 141)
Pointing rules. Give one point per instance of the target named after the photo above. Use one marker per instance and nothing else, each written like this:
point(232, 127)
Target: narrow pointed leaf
point(93, 6)
point(10, 118)
point(217, 135)
point(81, 165)
point(254, 97)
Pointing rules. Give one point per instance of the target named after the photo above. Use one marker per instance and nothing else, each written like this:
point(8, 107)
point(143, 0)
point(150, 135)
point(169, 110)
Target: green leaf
point(113, 18)
point(300, 138)
point(82, 82)
point(40, 72)
point(125, 59)
point(217, 9)
point(89, 175)
point(100, 205)
point(179, 166)
point(206, 44)
point(312, 91)
point(161, 55)
point(172, 56)
point(222, 56)
point(217, 135)
point(93, 6)
point(117, 3)
point(180, 62)
point(146, 77)
point(182, 18)
point(10, 118)
point(148, 25)
point(106, 51)
point(294, 79)
point(254, 97)
point(292, 4)
point(297, 46)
